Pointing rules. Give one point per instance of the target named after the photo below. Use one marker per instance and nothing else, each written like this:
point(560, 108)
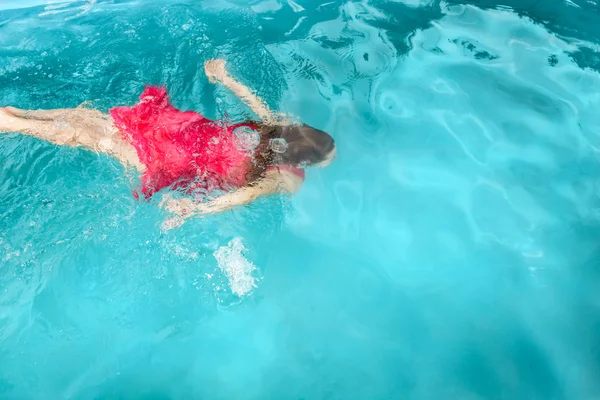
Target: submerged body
point(177, 149)
point(180, 148)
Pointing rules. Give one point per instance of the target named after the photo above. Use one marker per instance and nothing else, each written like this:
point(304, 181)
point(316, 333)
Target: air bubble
point(278, 145)
point(245, 138)
point(238, 270)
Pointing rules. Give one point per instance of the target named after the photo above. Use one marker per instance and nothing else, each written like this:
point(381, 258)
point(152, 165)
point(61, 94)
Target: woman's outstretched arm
point(186, 207)
point(216, 72)
point(274, 182)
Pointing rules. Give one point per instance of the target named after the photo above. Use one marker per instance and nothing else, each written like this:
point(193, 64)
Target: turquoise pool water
point(450, 252)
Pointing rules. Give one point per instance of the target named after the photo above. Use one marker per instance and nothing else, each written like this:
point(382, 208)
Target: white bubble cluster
point(245, 138)
point(236, 267)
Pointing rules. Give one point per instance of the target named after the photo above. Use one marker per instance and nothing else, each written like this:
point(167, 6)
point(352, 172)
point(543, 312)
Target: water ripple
point(450, 251)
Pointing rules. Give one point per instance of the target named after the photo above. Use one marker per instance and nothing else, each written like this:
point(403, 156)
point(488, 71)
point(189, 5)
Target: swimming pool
point(450, 252)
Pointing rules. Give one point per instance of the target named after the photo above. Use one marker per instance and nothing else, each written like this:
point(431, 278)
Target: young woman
point(184, 150)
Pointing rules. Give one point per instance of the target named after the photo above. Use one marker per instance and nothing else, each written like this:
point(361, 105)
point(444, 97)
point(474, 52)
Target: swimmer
point(183, 150)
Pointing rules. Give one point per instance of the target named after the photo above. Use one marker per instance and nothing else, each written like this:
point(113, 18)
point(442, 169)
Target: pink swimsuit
point(180, 147)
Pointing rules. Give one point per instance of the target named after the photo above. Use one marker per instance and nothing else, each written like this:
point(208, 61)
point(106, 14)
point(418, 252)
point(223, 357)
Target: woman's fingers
point(180, 208)
point(215, 70)
point(184, 208)
point(171, 223)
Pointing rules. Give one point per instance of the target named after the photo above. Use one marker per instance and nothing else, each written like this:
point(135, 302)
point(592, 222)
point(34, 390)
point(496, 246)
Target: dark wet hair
point(305, 145)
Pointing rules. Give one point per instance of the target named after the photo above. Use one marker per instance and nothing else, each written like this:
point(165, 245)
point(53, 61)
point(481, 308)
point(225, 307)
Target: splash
point(236, 267)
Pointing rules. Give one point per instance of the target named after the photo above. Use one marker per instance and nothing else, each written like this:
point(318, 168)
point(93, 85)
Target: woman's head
point(305, 145)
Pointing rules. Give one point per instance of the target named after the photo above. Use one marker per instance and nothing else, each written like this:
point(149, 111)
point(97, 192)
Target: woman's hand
point(215, 70)
point(183, 208)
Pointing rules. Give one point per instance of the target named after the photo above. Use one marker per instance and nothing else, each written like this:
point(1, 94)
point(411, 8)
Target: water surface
point(450, 252)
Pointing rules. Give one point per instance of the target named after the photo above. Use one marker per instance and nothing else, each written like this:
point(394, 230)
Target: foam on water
point(449, 252)
point(238, 270)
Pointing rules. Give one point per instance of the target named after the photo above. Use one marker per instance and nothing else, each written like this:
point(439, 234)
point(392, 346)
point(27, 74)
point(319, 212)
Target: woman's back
point(179, 147)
